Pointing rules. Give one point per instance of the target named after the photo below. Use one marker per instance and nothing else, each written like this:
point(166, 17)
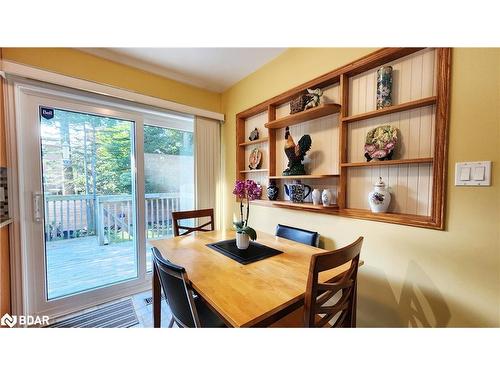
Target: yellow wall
point(412, 276)
point(82, 65)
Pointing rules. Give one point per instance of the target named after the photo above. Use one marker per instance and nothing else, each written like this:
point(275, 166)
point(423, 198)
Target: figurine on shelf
point(295, 153)
point(255, 159)
point(380, 143)
point(314, 98)
point(305, 101)
point(254, 135)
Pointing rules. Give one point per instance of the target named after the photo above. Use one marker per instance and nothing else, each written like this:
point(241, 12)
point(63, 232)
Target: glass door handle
point(37, 207)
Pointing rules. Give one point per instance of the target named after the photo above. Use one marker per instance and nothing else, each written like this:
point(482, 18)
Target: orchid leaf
point(251, 233)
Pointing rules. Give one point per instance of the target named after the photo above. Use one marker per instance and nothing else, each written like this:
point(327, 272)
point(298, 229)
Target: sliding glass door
point(168, 177)
point(88, 201)
point(99, 181)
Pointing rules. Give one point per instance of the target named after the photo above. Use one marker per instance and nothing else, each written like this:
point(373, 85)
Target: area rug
point(118, 315)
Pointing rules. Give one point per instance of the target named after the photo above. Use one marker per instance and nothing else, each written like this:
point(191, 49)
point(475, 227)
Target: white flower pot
point(242, 241)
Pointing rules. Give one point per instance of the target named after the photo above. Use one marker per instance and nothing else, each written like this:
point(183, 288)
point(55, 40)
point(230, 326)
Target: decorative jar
point(379, 198)
point(316, 197)
point(326, 197)
point(272, 191)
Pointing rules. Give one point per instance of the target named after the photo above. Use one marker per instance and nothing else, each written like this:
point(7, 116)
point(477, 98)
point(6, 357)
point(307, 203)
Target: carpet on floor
point(117, 315)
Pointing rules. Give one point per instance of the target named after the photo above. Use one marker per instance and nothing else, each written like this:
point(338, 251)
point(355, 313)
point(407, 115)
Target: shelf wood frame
point(303, 177)
point(393, 109)
point(306, 206)
point(254, 170)
point(388, 162)
point(307, 115)
point(257, 141)
point(341, 76)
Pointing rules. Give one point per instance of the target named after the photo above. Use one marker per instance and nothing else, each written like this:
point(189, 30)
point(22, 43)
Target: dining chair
point(194, 214)
point(318, 310)
point(188, 310)
point(297, 234)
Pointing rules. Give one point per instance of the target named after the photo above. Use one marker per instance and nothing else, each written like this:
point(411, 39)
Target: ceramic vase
point(272, 191)
point(316, 197)
point(384, 87)
point(326, 197)
point(242, 241)
point(379, 198)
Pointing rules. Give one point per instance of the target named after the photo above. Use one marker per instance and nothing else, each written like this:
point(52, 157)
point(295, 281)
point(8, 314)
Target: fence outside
point(110, 217)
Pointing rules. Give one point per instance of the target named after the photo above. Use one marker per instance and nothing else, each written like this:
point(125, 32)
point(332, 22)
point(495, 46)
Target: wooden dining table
point(252, 295)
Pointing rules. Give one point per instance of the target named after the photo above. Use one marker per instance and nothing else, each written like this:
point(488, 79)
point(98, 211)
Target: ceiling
point(214, 69)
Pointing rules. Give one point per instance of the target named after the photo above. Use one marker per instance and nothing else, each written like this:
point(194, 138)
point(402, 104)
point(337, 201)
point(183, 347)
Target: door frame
point(22, 293)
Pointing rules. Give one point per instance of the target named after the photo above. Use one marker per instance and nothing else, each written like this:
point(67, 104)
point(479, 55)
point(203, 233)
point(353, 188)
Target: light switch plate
point(474, 173)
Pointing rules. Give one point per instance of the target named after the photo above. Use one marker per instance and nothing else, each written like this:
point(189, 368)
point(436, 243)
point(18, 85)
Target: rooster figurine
point(295, 153)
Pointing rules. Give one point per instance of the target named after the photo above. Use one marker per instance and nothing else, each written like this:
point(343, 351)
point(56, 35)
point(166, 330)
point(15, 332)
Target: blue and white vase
point(327, 197)
point(384, 87)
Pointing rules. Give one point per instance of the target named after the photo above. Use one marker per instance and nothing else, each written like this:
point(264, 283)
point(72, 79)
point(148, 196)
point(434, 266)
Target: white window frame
point(22, 301)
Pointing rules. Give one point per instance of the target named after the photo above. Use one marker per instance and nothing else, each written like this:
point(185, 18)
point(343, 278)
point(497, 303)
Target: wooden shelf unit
point(342, 77)
point(297, 206)
point(392, 109)
point(303, 177)
point(254, 170)
point(374, 163)
point(307, 115)
point(257, 141)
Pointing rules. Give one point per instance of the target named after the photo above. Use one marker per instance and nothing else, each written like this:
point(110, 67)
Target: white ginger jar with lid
point(379, 198)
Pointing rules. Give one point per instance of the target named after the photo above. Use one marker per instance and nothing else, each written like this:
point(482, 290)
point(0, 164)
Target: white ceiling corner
point(214, 69)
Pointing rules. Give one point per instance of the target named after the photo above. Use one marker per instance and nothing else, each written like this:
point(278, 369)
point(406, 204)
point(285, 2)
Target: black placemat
point(255, 251)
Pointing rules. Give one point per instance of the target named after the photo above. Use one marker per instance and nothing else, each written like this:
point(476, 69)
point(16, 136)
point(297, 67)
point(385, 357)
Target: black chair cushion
point(299, 235)
point(208, 318)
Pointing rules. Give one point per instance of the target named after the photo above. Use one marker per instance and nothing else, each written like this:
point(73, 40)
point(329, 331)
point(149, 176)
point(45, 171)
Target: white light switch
point(465, 174)
point(476, 173)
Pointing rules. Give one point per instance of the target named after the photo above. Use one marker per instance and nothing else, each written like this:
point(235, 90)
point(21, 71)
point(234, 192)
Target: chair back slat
point(317, 313)
point(194, 214)
point(304, 236)
point(177, 290)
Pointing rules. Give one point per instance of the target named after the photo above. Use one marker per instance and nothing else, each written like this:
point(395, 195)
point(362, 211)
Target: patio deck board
point(79, 264)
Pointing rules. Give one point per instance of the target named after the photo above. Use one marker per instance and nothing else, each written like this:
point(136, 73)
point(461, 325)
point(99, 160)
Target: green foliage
point(241, 228)
point(88, 154)
point(167, 141)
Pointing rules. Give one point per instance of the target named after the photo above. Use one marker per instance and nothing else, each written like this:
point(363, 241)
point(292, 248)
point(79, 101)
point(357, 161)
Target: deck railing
point(110, 217)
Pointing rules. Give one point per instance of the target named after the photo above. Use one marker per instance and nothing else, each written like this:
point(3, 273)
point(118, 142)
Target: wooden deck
point(79, 264)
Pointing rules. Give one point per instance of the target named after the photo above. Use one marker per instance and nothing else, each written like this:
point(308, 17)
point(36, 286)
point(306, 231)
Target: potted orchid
point(245, 191)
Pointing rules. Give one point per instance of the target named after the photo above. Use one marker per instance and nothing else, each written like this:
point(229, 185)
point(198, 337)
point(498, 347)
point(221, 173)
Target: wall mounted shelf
point(307, 115)
point(392, 109)
point(332, 209)
point(260, 140)
point(302, 177)
point(254, 170)
point(420, 181)
point(388, 162)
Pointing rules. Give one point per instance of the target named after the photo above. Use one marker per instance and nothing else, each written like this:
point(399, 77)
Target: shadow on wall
point(419, 305)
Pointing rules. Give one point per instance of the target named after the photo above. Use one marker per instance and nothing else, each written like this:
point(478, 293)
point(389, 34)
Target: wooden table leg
point(156, 299)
